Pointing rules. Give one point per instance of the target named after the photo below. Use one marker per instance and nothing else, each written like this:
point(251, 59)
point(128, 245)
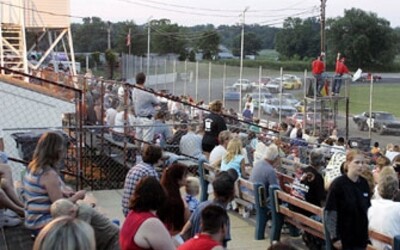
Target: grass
point(384, 98)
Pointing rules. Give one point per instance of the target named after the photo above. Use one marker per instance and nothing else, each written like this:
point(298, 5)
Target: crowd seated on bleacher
point(326, 171)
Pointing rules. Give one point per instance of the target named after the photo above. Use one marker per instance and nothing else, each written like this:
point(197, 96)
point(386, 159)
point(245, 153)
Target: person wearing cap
point(145, 104)
point(340, 70)
point(318, 67)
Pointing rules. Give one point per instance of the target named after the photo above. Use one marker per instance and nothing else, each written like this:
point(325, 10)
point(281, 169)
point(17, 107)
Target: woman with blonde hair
point(42, 184)
point(65, 233)
point(234, 158)
point(347, 205)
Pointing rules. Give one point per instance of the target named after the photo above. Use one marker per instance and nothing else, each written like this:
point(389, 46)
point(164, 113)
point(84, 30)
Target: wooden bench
point(253, 195)
point(207, 175)
point(281, 213)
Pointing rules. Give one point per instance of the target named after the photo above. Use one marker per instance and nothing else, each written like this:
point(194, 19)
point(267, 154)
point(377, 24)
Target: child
point(192, 189)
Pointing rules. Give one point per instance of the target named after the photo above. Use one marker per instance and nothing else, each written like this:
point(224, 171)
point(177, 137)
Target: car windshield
point(276, 102)
point(383, 116)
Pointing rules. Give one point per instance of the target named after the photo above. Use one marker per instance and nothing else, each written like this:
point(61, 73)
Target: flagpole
point(129, 47)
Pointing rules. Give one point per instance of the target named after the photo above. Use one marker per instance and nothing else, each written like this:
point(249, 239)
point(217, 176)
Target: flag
point(128, 38)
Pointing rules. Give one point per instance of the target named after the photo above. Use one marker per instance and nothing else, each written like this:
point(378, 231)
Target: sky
point(228, 12)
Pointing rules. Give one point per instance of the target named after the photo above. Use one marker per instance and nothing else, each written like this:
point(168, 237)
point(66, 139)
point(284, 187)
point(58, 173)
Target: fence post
point(197, 81)
point(209, 82)
point(175, 76)
point(259, 92)
point(185, 82)
point(223, 85)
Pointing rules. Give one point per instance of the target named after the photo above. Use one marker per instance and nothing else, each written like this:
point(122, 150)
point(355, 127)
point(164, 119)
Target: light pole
point(148, 44)
point(241, 59)
point(323, 6)
point(109, 35)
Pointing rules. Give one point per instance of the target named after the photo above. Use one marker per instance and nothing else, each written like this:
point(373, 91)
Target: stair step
point(16, 31)
point(11, 37)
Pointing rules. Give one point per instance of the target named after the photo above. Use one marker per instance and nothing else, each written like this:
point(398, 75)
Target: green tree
point(91, 35)
point(364, 38)
point(299, 38)
point(166, 37)
point(208, 43)
point(111, 59)
point(251, 46)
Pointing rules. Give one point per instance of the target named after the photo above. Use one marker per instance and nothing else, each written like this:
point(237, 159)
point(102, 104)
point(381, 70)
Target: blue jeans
point(319, 82)
point(337, 83)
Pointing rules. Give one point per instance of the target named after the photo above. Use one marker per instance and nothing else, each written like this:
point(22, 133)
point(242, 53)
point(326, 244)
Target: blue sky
point(190, 12)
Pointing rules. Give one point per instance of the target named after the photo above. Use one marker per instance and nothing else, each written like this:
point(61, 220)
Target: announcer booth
point(32, 31)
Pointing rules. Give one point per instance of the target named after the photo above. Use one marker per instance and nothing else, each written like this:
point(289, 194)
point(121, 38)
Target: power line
point(41, 11)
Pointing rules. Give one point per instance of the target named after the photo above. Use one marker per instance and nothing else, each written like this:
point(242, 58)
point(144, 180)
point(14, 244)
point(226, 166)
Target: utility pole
point(241, 59)
point(109, 35)
point(323, 6)
point(148, 45)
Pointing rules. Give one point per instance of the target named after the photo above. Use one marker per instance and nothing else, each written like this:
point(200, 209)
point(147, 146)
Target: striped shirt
point(37, 201)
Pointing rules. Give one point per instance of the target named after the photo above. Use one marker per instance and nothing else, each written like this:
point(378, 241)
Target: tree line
point(364, 38)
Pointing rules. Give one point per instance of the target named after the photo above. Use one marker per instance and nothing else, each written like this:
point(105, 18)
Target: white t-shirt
point(119, 121)
point(389, 154)
point(384, 217)
point(216, 154)
point(111, 113)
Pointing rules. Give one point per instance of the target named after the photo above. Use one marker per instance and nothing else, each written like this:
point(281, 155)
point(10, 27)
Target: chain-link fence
point(101, 152)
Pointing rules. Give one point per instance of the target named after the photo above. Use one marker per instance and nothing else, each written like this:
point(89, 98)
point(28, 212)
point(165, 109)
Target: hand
point(80, 195)
point(338, 244)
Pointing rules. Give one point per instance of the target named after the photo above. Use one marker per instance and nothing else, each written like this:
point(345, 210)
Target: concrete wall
point(22, 110)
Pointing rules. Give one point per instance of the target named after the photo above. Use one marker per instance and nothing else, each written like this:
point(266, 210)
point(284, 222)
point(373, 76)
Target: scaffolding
point(35, 28)
point(324, 107)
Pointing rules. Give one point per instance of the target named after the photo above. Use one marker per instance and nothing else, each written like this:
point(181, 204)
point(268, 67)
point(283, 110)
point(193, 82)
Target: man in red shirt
point(340, 70)
point(318, 67)
point(214, 221)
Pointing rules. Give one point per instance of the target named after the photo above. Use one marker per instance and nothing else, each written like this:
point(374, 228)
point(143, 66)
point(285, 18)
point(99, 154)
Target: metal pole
point(323, 5)
point(241, 59)
point(165, 73)
point(174, 76)
point(185, 82)
point(197, 81)
point(280, 97)
point(109, 35)
point(209, 82)
point(148, 45)
point(370, 120)
point(259, 92)
point(155, 73)
point(223, 85)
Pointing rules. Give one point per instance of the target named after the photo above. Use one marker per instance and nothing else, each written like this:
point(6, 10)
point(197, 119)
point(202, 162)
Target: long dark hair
point(173, 210)
point(148, 195)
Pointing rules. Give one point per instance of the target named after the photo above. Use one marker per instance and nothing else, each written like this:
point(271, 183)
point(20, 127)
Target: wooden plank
point(310, 230)
point(301, 218)
point(299, 203)
point(380, 237)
